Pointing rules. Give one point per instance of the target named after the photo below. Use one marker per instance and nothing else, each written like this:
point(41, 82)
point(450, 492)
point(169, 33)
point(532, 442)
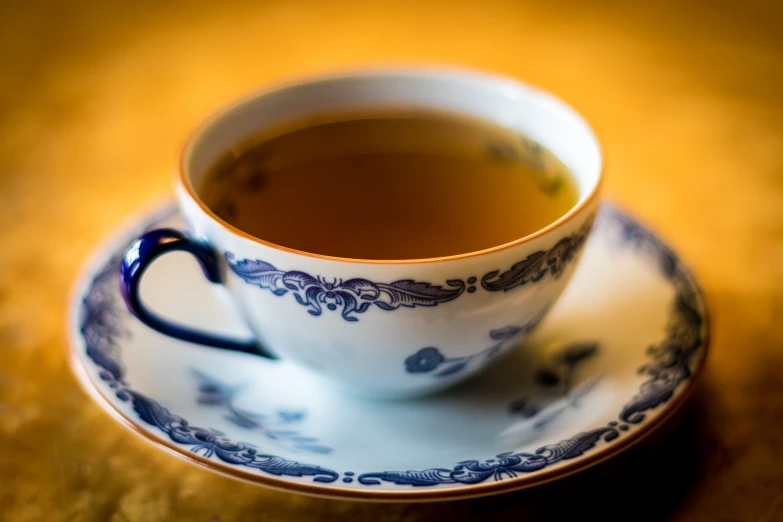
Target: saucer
point(616, 355)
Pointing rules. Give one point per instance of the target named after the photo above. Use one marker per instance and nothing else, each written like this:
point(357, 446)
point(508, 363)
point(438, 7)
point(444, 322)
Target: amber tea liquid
point(402, 185)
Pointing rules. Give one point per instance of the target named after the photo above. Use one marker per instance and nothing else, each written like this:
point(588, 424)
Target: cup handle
point(142, 253)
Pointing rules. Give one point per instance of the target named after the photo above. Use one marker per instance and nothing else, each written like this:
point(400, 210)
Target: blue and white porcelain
point(350, 320)
point(615, 355)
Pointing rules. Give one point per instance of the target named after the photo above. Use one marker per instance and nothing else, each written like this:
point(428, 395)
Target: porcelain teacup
point(384, 328)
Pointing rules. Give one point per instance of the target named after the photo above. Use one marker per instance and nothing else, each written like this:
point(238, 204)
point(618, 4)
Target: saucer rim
point(161, 211)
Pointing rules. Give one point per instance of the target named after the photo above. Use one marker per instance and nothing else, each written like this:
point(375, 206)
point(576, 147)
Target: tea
point(389, 185)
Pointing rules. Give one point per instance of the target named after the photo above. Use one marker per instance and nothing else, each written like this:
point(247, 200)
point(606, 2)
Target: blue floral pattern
point(537, 265)
point(277, 427)
point(430, 358)
point(352, 296)
point(212, 442)
point(355, 296)
point(672, 358)
point(425, 360)
point(506, 465)
point(555, 392)
point(671, 362)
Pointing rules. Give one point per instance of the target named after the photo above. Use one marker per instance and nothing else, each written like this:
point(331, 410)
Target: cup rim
point(455, 73)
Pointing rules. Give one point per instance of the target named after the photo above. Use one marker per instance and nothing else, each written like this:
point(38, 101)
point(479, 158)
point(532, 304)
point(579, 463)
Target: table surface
point(687, 97)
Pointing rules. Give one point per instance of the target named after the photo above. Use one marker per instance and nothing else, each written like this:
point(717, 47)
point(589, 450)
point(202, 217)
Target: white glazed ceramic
point(353, 321)
point(614, 357)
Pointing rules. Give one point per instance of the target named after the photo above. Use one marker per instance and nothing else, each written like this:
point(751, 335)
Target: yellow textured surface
point(96, 99)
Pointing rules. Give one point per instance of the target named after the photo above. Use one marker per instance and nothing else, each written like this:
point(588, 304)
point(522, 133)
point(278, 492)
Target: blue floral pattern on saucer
point(506, 465)
point(278, 426)
point(555, 390)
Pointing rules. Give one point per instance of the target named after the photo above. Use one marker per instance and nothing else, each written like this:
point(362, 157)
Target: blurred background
point(97, 98)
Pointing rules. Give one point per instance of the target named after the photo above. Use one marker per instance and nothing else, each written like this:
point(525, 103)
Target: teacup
point(383, 328)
